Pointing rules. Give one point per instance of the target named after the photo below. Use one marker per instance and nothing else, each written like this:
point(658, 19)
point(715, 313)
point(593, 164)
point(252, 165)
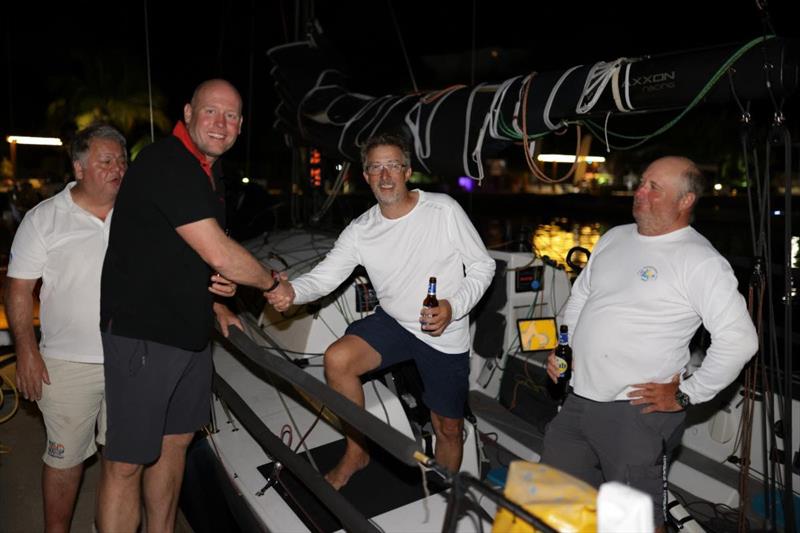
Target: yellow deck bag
point(560, 500)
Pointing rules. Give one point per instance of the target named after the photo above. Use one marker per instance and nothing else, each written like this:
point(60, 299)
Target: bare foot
point(341, 473)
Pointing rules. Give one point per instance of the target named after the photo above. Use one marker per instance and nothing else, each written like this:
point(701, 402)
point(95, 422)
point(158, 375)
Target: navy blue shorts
point(444, 375)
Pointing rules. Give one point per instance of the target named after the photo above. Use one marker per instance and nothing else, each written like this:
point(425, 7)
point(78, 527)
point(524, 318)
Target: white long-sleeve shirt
point(634, 309)
point(436, 238)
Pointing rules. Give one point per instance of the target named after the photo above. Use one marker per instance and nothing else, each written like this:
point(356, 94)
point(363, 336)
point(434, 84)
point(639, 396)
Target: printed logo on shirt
point(648, 273)
point(55, 449)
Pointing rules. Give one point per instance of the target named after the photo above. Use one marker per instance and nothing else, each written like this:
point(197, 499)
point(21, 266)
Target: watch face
point(682, 398)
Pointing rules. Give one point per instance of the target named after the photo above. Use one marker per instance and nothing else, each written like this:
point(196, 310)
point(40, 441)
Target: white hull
point(700, 470)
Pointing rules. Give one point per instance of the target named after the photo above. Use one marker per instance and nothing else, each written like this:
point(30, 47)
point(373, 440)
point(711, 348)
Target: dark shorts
point(152, 390)
point(444, 376)
point(614, 441)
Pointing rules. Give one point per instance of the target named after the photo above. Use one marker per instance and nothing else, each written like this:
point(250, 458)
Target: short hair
point(386, 139)
point(693, 180)
point(79, 147)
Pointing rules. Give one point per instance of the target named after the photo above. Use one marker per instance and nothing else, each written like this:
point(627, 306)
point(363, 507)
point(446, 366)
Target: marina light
point(245, 180)
point(717, 186)
point(39, 141)
point(564, 158)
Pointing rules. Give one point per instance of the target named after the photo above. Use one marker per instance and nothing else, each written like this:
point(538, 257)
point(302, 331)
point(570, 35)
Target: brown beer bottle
point(430, 300)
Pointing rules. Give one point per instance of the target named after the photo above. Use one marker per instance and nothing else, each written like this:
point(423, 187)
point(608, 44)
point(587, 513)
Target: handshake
point(281, 294)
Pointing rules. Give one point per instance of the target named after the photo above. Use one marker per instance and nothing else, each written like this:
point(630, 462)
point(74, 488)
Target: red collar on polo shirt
point(182, 134)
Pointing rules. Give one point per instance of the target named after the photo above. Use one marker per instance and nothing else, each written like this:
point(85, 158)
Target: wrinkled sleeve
point(331, 271)
point(478, 264)
point(713, 292)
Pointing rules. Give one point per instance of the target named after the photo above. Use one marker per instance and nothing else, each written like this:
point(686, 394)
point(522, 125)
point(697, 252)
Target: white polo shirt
point(64, 245)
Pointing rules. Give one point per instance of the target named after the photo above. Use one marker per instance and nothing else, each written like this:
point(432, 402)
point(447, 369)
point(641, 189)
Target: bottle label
point(562, 366)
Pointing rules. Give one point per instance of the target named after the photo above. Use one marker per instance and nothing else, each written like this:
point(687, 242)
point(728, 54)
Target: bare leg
point(119, 497)
point(59, 491)
point(449, 441)
point(345, 361)
point(162, 483)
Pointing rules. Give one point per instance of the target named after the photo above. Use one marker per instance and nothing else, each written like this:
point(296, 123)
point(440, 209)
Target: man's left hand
point(436, 319)
point(221, 286)
point(226, 318)
point(657, 397)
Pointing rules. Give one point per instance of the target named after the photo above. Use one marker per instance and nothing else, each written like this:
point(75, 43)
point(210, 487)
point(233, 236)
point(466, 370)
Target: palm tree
point(108, 86)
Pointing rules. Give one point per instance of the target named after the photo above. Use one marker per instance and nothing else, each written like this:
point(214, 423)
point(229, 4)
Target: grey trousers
point(614, 441)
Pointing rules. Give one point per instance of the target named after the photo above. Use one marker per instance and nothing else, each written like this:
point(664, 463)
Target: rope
point(467, 120)
point(596, 81)
point(333, 194)
point(149, 81)
point(552, 97)
point(413, 119)
point(402, 46)
point(529, 153)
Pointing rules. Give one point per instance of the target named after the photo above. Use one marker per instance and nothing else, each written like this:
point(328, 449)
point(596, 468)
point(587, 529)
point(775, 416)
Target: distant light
point(777, 212)
point(339, 167)
point(245, 180)
point(41, 141)
point(563, 158)
point(466, 183)
point(717, 186)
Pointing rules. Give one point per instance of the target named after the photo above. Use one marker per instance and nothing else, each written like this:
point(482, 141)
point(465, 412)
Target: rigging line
point(474, 39)
point(149, 81)
point(787, 325)
point(468, 119)
point(402, 46)
point(386, 114)
point(551, 98)
point(334, 192)
point(251, 64)
point(294, 423)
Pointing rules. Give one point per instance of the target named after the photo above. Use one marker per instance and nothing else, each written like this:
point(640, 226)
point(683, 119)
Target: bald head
point(214, 84)
point(667, 195)
point(214, 117)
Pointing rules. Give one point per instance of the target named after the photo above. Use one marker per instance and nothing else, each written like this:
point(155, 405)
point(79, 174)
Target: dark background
point(57, 57)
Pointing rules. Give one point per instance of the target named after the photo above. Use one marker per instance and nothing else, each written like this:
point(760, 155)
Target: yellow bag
point(560, 500)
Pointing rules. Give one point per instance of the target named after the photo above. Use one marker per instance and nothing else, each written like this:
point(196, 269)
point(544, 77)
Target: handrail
point(394, 442)
point(350, 517)
point(385, 436)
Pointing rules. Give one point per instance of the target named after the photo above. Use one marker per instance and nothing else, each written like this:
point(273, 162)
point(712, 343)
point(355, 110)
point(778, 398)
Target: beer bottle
point(430, 300)
point(564, 361)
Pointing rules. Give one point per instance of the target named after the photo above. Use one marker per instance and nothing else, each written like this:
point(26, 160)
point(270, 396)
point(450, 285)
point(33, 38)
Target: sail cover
point(454, 128)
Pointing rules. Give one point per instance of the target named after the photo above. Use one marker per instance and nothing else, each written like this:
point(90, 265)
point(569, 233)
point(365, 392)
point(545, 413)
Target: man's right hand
point(282, 296)
point(31, 373)
point(552, 367)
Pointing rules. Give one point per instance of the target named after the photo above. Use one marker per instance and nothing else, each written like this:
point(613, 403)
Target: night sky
point(102, 46)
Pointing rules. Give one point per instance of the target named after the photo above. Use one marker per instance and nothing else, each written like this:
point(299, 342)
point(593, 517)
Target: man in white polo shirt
point(62, 241)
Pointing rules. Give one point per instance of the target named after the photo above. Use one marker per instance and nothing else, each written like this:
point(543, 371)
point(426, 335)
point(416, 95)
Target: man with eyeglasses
point(402, 241)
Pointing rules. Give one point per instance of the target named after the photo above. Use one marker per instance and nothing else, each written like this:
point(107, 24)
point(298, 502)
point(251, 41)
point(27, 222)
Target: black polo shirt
point(154, 285)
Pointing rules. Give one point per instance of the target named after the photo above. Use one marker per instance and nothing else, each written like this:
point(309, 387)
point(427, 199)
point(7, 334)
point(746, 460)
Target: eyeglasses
point(392, 167)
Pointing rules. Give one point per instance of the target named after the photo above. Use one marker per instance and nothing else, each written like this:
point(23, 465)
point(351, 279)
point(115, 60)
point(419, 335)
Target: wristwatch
point(682, 398)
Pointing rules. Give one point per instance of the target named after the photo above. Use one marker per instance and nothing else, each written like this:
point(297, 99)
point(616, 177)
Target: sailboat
point(277, 425)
